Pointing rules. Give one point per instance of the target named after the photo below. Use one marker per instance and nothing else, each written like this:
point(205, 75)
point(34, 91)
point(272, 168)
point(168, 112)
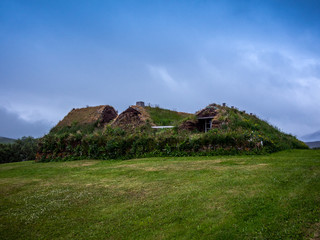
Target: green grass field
point(275, 196)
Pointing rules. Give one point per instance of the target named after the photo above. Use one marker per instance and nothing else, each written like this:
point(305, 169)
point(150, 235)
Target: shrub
point(21, 150)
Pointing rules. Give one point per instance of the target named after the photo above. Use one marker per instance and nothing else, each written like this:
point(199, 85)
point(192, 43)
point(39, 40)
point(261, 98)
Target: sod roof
point(134, 116)
point(102, 114)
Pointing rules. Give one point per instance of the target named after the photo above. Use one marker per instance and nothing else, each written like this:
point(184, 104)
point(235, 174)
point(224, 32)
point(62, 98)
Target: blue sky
point(260, 56)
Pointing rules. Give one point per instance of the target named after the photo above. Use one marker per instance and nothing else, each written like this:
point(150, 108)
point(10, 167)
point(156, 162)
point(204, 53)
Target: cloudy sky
point(260, 56)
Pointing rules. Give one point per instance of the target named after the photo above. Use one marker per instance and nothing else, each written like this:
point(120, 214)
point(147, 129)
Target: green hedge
point(112, 145)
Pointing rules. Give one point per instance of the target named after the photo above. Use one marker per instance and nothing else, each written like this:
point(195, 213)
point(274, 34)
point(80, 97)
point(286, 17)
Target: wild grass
point(274, 196)
point(165, 117)
point(75, 127)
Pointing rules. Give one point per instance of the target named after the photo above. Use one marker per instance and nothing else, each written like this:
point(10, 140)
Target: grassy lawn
point(275, 196)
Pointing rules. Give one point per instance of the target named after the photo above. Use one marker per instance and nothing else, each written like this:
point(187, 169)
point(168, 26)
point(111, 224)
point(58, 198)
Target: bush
point(21, 150)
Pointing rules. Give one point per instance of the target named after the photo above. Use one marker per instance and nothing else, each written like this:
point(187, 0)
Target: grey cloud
point(280, 86)
point(12, 126)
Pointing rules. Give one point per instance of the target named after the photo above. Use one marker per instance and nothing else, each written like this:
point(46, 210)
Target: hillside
point(272, 196)
point(313, 144)
point(165, 117)
point(5, 140)
point(213, 130)
point(312, 137)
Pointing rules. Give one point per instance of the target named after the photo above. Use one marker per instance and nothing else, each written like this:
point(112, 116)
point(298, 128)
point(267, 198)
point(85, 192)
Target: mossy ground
point(274, 196)
point(166, 117)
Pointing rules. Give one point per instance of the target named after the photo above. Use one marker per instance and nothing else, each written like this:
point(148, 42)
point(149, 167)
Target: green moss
point(165, 117)
point(75, 127)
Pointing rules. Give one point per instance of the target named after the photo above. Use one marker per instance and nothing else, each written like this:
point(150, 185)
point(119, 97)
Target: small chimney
point(140, 103)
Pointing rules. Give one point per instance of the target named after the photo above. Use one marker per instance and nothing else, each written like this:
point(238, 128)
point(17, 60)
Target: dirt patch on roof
point(189, 125)
point(314, 232)
point(134, 116)
point(102, 114)
point(211, 110)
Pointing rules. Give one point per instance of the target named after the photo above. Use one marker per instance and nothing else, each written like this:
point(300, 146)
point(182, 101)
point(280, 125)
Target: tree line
point(21, 150)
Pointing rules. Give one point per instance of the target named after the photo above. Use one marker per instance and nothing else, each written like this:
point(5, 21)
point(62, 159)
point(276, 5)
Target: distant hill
point(313, 144)
point(312, 137)
point(7, 140)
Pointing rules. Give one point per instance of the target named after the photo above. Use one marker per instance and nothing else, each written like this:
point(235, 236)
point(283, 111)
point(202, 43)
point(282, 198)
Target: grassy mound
point(165, 117)
point(85, 119)
point(233, 132)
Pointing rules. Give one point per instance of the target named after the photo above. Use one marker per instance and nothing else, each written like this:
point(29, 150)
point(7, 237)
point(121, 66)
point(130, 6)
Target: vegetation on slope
point(314, 145)
point(165, 117)
point(239, 121)
point(235, 133)
point(75, 127)
point(85, 119)
point(103, 113)
point(4, 140)
point(244, 197)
